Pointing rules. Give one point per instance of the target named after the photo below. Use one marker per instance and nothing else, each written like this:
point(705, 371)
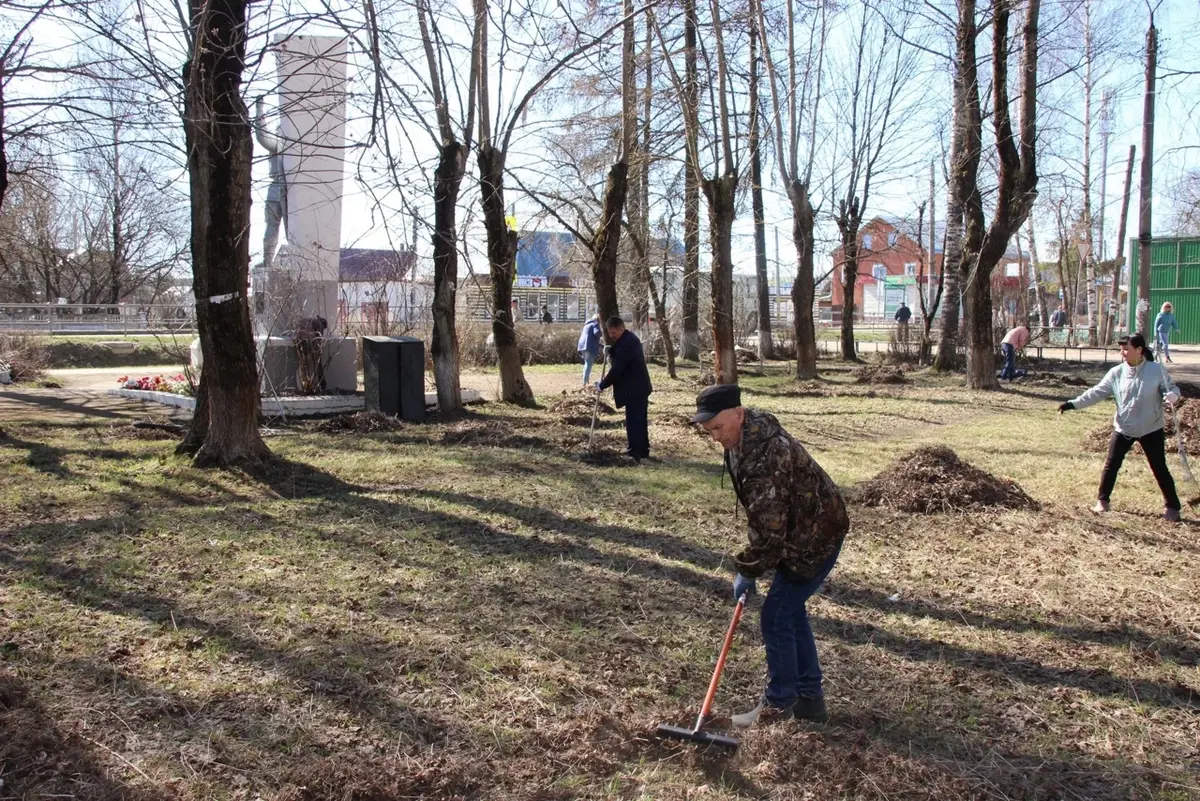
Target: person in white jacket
point(1140, 387)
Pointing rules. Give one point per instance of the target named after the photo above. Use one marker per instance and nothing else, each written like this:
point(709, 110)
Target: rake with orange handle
point(697, 734)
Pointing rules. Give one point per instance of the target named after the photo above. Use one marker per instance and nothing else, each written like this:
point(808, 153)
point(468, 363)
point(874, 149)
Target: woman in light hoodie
point(1140, 387)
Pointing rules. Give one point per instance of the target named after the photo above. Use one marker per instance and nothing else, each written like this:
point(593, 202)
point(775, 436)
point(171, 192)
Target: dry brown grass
point(442, 612)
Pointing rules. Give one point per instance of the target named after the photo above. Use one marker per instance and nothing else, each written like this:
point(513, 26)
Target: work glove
point(1171, 398)
point(597, 386)
point(608, 350)
point(742, 585)
point(1066, 407)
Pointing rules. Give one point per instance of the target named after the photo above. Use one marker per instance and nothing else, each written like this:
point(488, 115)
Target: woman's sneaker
point(1101, 507)
point(1171, 515)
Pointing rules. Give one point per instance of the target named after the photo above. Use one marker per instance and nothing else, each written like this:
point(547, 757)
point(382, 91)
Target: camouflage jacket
point(796, 514)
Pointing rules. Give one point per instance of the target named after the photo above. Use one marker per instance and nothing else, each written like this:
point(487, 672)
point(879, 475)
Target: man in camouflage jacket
point(797, 520)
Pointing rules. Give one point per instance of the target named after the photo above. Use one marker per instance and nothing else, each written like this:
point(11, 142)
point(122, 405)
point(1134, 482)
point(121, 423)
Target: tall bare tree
point(985, 244)
point(766, 349)
point(870, 117)
point(690, 300)
point(789, 104)
point(219, 146)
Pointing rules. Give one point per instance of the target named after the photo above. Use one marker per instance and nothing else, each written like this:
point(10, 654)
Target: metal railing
point(81, 318)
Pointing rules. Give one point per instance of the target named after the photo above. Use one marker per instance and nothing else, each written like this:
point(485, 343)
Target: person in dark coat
point(903, 315)
point(630, 380)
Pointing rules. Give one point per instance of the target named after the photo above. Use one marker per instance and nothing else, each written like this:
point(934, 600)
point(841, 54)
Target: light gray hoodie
point(1139, 393)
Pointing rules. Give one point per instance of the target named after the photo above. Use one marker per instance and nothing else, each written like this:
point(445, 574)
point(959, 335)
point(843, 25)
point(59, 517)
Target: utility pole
point(1143, 292)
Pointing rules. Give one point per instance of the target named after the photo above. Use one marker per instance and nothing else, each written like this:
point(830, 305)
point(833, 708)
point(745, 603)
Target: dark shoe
point(1171, 515)
point(811, 708)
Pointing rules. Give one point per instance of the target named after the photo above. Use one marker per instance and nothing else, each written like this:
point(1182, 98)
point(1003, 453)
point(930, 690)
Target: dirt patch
point(492, 433)
point(576, 408)
point(880, 374)
point(935, 480)
point(359, 423)
point(146, 431)
point(1055, 379)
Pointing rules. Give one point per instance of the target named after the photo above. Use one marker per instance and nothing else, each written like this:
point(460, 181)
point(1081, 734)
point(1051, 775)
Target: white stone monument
point(300, 284)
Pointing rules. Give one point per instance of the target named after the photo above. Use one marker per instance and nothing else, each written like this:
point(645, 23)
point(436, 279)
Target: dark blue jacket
point(903, 314)
point(589, 338)
point(627, 373)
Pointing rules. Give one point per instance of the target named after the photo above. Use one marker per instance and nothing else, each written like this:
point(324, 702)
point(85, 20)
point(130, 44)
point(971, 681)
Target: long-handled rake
point(1181, 445)
point(596, 408)
point(696, 734)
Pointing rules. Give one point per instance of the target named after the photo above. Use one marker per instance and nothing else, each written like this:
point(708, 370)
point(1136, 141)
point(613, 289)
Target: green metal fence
point(1174, 277)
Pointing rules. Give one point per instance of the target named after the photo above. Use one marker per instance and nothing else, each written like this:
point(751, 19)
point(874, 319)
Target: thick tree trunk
point(219, 150)
point(1145, 217)
point(607, 240)
point(766, 349)
point(444, 349)
point(502, 257)
point(981, 354)
point(803, 290)
point(849, 279)
point(690, 301)
point(721, 194)
point(198, 429)
point(947, 355)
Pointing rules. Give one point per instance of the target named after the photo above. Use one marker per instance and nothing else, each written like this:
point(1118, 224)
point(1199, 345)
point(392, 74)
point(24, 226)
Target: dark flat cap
point(715, 399)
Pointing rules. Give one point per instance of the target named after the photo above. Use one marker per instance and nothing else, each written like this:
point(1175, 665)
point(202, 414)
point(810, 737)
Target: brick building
point(889, 260)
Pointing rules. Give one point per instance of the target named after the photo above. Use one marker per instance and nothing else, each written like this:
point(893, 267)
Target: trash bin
point(394, 376)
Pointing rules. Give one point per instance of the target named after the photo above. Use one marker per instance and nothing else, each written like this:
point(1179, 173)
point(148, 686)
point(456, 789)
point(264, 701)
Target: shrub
point(537, 344)
point(24, 355)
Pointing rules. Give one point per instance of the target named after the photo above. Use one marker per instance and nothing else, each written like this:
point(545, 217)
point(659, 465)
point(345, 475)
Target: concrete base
point(280, 365)
point(288, 406)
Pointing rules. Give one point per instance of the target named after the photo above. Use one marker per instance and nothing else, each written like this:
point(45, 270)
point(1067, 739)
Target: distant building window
point(1012, 269)
point(867, 240)
point(910, 268)
point(880, 272)
point(892, 237)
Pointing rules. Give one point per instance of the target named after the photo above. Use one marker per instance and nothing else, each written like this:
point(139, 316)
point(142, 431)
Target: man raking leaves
point(797, 520)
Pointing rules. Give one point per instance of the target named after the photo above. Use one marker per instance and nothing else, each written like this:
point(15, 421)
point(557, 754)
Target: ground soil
point(466, 609)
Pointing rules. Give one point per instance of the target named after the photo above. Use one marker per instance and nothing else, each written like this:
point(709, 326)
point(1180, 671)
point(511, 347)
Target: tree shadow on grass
point(49, 459)
point(40, 759)
point(861, 595)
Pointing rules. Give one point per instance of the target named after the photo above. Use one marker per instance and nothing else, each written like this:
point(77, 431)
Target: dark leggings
point(1154, 445)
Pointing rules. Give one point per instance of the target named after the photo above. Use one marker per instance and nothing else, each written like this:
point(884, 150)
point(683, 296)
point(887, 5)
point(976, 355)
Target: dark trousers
point(1010, 361)
point(793, 668)
point(637, 430)
point(1154, 445)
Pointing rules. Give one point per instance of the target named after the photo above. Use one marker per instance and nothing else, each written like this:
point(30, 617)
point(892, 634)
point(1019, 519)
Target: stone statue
point(276, 211)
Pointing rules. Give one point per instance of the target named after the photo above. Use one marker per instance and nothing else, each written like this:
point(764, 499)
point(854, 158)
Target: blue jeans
point(1010, 361)
point(793, 668)
point(1164, 344)
point(589, 361)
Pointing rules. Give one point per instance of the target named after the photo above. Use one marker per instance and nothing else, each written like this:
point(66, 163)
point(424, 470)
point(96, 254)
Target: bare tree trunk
point(849, 219)
point(219, 147)
point(803, 290)
point(1090, 261)
point(1144, 240)
point(198, 428)
point(721, 194)
point(1043, 313)
point(1119, 256)
point(3, 142)
point(446, 365)
point(766, 348)
point(690, 342)
point(607, 240)
point(502, 256)
point(643, 192)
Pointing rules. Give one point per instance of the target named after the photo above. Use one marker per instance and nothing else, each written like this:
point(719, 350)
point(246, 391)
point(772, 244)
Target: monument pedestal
point(281, 365)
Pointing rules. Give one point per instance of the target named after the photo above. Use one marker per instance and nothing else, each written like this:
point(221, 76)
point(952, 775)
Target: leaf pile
point(359, 423)
point(880, 374)
point(935, 480)
point(577, 409)
point(1188, 414)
